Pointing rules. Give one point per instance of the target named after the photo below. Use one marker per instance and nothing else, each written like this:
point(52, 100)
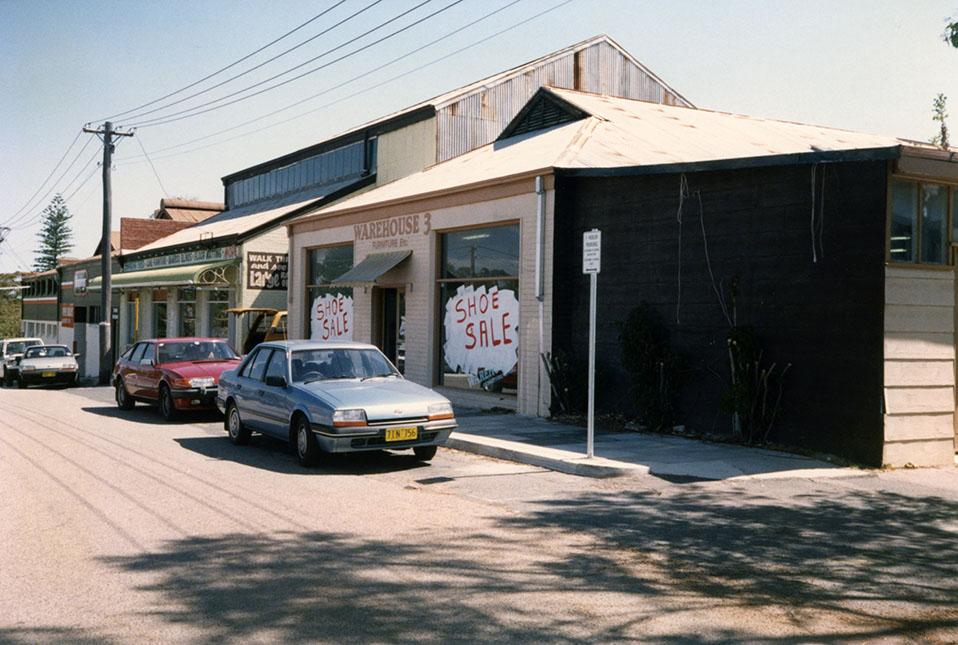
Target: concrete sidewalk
point(561, 447)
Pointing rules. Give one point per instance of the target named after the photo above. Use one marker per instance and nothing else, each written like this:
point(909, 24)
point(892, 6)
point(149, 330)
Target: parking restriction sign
point(591, 251)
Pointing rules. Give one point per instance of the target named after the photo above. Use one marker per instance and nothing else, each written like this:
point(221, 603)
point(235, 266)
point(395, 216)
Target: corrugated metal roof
point(371, 268)
point(621, 133)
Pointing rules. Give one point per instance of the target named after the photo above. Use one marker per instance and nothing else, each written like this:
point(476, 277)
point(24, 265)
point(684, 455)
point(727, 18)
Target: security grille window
point(919, 227)
point(479, 308)
point(159, 313)
point(219, 302)
point(186, 312)
point(330, 309)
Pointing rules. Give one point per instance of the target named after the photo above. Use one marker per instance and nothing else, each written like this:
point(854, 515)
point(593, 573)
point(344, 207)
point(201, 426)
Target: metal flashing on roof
point(208, 274)
point(372, 267)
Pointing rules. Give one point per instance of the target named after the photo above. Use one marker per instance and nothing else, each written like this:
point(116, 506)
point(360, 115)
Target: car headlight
point(349, 418)
point(439, 411)
point(69, 368)
point(29, 368)
point(202, 381)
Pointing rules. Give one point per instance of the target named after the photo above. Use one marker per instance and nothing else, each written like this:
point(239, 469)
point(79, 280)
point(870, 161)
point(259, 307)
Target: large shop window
point(186, 312)
point(919, 232)
point(218, 303)
point(330, 314)
point(479, 316)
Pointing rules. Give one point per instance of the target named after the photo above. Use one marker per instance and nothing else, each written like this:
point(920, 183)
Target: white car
point(48, 364)
point(11, 350)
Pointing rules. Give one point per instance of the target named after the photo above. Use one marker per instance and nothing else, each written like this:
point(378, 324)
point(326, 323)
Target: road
point(118, 527)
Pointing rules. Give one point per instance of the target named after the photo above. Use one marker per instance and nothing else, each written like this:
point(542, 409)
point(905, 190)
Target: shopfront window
point(218, 303)
point(159, 313)
point(186, 312)
point(330, 313)
point(479, 324)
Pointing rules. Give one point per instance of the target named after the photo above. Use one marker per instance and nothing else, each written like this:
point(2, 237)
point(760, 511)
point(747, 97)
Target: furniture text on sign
point(267, 270)
point(591, 251)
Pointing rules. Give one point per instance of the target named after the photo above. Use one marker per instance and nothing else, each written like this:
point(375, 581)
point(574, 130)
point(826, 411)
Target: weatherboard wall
point(822, 314)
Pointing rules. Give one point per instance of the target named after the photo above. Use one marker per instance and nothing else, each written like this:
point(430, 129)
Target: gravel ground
point(118, 527)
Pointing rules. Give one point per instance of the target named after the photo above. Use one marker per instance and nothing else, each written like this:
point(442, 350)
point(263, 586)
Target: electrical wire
point(366, 90)
point(185, 114)
point(233, 64)
point(13, 221)
point(155, 174)
point(256, 67)
point(29, 201)
point(29, 222)
point(330, 89)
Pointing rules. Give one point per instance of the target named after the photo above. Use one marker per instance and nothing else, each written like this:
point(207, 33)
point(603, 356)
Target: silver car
point(326, 397)
point(48, 365)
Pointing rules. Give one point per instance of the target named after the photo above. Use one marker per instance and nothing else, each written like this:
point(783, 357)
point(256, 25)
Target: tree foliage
point(940, 114)
point(951, 33)
point(55, 237)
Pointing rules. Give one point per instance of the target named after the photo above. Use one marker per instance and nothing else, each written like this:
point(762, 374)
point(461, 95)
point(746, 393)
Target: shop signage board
point(269, 271)
point(482, 331)
point(331, 317)
point(66, 316)
point(591, 264)
point(79, 281)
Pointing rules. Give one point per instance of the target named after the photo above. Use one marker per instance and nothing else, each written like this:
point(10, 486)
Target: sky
point(872, 66)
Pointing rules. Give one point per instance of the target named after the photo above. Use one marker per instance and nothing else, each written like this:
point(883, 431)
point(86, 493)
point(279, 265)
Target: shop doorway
point(389, 308)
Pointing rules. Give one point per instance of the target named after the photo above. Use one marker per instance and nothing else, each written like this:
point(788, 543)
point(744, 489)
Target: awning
point(371, 268)
point(209, 274)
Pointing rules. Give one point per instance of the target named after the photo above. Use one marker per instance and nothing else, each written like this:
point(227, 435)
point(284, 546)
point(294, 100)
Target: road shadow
point(148, 414)
point(274, 455)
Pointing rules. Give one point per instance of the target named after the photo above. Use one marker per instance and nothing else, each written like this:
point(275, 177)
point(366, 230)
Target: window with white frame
point(919, 226)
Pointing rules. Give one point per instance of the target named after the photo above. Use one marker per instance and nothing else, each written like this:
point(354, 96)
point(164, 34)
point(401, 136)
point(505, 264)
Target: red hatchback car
point(174, 373)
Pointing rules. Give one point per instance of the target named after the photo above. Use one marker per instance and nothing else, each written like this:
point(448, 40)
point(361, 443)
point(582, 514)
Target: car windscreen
point(195, 350)
point(47, 352)
point(324, 364)
point(18, 347)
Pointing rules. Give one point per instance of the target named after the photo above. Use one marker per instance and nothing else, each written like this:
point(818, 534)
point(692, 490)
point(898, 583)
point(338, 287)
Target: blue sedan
point(326, 397)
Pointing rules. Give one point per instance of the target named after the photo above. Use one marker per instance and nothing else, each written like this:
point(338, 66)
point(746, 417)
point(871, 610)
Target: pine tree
point(56, 236)
point(940, 113)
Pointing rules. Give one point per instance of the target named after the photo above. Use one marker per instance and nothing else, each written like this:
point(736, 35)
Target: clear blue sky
point(866, 65)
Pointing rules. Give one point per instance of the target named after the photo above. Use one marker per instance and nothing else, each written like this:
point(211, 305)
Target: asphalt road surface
point(118, 527)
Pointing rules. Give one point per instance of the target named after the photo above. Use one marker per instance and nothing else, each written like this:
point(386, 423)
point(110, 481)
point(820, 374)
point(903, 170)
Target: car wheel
point(167, 407)
point(123, 399)
point(425, 453)
point(239, 434)
point(307, 448)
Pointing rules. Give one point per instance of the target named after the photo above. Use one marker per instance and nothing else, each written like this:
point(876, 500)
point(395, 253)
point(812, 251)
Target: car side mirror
point(276, 381)
point(76, 355)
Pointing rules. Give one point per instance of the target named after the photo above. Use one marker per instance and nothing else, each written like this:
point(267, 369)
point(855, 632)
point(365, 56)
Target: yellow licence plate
point(402, 434)
point(48, 374)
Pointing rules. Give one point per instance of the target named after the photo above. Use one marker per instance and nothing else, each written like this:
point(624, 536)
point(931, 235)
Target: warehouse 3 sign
point(482, 330)
point(331, 317)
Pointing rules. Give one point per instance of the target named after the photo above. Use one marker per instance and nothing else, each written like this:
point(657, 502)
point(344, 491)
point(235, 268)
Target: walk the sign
point(591, 251)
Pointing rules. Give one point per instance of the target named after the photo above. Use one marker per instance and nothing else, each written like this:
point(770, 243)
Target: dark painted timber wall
point(824, 317)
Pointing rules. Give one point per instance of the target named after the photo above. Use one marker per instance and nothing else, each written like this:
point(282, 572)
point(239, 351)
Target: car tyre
point(167, 406)
point(308, 451)
point(239, 433)
point(425, 453)
point(123, 399)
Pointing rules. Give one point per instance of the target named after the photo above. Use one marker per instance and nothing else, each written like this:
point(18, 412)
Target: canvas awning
point(211, 274)
point(373, 266)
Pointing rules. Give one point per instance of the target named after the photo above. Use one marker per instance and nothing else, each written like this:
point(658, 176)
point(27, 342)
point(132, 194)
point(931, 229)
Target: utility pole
point(106, 134)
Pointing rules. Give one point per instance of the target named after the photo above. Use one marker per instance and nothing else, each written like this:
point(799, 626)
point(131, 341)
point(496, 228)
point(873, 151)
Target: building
point(834, 246)
point(189, 211)
point(440, 129)
point(39, 312)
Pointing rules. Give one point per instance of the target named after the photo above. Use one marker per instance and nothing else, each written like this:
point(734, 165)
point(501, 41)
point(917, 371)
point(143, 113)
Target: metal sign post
point(591, 264)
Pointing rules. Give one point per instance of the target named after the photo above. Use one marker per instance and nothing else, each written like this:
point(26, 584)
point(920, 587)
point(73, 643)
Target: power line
point(328, 89)
point(254, 68)
point(233, 64)
point(29, 201)
point(366, 90)
point(13, 220)
point(170, 118)
point(155, 174)
point(29, 222)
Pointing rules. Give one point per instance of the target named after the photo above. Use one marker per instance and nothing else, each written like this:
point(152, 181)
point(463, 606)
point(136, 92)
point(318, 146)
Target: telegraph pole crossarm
point(106, 133)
